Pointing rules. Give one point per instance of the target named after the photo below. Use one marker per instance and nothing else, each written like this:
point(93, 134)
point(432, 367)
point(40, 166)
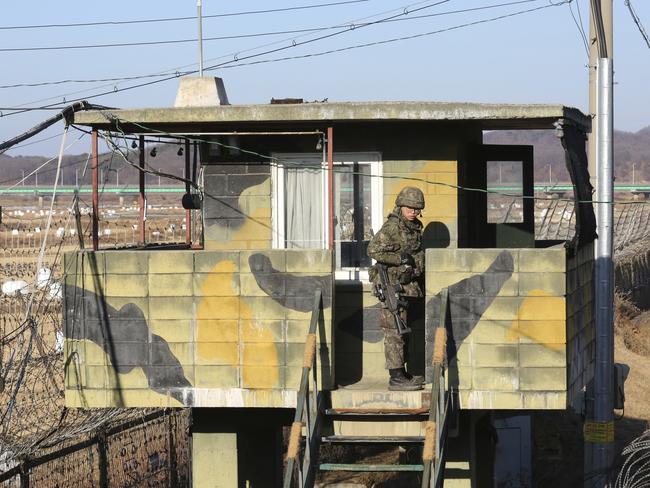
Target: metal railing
point(307, 411)
point(436, 426)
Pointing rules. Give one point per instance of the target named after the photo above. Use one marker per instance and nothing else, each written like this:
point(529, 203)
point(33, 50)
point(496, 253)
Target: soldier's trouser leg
point(394, 342)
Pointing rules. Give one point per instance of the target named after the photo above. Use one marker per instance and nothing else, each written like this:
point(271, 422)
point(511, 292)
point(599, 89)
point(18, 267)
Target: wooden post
point(24, 473)
point(102, 448)
point(173, 464)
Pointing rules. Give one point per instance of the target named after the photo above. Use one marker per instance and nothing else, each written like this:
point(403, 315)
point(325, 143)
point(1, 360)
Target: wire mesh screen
point(140, 450)
point(33, 420)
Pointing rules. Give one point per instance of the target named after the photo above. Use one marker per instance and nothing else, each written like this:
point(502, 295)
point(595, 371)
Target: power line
point(174, 19)
point(31, 109)
point(403, 8)
point(150, 43)
point(637, 21)
point(401, 12)
point(580, 28)
point(395, 39)
point(21, 180)
point(228, 64)
point(599, 27)
point(219, 38)
point(356, 23)
point(36, 141)
point(275, 160)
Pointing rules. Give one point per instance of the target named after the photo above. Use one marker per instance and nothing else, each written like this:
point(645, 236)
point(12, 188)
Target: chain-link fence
point(42, 442)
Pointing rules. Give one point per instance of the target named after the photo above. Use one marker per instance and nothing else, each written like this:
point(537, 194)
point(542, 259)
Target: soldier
point(398, 246)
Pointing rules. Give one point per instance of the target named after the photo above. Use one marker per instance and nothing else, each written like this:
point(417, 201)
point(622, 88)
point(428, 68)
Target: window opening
point(352, 214)
point(505, 184)
point(300, 206)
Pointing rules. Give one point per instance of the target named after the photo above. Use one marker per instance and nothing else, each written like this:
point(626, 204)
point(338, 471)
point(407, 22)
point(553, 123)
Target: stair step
point(391, 413)
point(364, 439)
point(371, 467)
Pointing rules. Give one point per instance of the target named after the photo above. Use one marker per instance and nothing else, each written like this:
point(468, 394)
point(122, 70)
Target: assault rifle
point(391, 296)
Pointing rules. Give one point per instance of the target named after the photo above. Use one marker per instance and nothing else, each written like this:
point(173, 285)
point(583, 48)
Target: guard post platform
point(265, 325)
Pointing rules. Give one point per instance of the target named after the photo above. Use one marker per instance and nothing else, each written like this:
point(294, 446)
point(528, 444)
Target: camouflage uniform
point(397, 237)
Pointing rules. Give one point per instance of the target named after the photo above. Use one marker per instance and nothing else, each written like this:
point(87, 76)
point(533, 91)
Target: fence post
point(173, 472)
point(102, 447)
point(24, 473)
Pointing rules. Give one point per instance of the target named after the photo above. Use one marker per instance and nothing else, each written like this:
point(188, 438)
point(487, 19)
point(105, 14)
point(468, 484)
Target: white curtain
point(304, 208)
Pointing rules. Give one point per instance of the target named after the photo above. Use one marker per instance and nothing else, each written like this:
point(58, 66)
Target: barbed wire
point(635, 472)
point(32, 373)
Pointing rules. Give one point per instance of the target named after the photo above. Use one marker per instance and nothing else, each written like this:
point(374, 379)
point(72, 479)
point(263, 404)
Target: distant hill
point(167, 160)
point(629, 148)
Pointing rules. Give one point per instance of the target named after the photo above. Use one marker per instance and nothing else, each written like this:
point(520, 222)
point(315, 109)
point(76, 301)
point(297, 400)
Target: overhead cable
point(229, 64)
point(388, 41)
point(38, 168)
point(66, 113)
point(597, 17)
point(117, 121)
point(581, 30)
point(37, 141)
point(637, 21)
point(218, 38)
point(41, 254)
point(174, 19)
point(401, 12)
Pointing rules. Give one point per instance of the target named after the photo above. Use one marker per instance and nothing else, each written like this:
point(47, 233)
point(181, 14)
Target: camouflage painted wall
point(434, 177)
point(581, 328)
point(237, 212)
point(359, 339)
point(237, 206)
point(507, 323)
point(194, 328)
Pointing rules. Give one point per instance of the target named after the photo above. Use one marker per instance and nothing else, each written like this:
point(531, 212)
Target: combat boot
point(414, 378)
point(400, 382)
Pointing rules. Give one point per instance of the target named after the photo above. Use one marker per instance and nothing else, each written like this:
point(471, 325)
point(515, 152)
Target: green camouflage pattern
point(410, 196)
point(396, 237)
point(193, 328)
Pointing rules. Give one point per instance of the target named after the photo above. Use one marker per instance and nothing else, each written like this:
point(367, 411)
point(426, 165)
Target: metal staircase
point(311, 416)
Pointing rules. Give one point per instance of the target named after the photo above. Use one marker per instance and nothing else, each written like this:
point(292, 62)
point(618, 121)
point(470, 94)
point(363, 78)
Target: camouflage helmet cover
point(410, 196)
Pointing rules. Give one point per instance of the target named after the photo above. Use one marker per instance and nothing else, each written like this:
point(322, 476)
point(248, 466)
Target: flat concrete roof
point(489, 116)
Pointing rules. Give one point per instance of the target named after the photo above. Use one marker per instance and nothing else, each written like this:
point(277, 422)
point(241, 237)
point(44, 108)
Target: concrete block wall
point(507, 325)
point(581, 329)
point(437, 180)
point(193, 328)
point(360, 340)
point(237, 206)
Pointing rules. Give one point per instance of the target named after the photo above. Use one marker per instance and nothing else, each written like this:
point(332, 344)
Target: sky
point(466, 54)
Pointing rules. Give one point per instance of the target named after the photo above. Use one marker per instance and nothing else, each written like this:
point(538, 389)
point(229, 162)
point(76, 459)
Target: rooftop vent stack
point(201, 91)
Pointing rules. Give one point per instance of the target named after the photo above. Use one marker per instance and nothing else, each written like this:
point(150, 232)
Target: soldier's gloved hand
point(405, 274)
point(406, 259)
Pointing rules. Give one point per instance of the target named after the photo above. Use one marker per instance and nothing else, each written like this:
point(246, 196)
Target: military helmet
point(410, 197)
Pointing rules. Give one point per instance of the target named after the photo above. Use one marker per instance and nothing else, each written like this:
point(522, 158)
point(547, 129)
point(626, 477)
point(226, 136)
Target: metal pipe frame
point(94, 150)
point(183, 135)
point(188, 212)
point(143, 197)
point(330, 186)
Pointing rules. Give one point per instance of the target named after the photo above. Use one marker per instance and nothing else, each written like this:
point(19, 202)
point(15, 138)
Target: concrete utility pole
point(606, 9)
point(599, 423)
point(199, 15)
